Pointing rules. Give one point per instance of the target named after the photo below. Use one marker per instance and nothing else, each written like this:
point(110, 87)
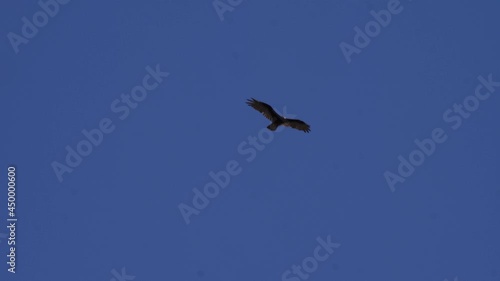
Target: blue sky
point(119, 208)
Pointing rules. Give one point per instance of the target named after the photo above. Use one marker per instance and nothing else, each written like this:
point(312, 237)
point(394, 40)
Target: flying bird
point(275, 118)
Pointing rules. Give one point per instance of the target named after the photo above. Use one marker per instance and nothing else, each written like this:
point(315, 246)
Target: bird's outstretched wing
point(299, 125)
point(264, 108)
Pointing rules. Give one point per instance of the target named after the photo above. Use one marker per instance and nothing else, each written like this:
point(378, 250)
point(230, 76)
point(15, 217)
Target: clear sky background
point(119, 207)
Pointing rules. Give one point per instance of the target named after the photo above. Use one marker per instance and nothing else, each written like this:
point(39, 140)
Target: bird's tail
point(273, 126)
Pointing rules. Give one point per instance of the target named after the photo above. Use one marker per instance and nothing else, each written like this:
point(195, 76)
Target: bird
point(275, 118)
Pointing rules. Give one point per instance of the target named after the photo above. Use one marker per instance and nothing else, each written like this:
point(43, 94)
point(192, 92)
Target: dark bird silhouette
point(275, 118)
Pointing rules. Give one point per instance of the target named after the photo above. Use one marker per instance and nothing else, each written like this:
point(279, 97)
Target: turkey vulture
point(275, 118)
